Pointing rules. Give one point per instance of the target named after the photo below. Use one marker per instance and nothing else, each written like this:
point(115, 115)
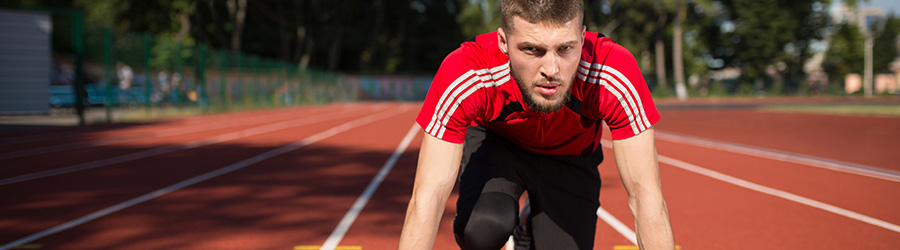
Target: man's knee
point(490, 223)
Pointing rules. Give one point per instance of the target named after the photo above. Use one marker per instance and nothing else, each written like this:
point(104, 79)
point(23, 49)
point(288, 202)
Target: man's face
point(543, 60)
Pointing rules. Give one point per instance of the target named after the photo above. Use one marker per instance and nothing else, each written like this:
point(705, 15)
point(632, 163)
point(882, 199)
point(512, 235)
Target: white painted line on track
point(134, 137)
point(65, 134)
point(617, 225)
point(338, 234)
point(172, 148)
point(628, 233)
point(227, 169)
point(779, 193)
point(772, 154)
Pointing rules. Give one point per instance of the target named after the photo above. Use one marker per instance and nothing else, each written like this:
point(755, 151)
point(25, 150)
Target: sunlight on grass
point(883, 110)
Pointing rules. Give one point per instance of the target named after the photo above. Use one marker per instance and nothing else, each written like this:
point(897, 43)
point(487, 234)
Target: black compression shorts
point(564, 193)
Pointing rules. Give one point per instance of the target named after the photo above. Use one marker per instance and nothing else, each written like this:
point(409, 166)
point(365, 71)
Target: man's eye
point(565, 48)
point(529, 49)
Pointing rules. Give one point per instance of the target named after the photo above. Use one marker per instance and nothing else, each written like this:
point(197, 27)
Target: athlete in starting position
point(522, 109)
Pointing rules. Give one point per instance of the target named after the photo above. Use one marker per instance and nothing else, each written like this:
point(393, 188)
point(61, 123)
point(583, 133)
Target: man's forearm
point(435, 176)
point(422, 220)
point(652, 225)
point(639, 170)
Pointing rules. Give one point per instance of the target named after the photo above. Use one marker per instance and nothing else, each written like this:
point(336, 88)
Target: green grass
point(883, 110)
point(140, 114)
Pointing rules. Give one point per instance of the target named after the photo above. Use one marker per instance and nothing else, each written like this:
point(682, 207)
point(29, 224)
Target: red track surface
point(297, 198)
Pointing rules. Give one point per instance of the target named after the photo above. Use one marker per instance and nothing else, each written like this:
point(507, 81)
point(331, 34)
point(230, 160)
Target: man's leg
point(487, 209)
point(564, 196)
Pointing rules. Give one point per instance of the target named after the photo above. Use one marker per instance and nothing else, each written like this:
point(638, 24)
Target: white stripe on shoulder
point(631, 101)
point(611, 89)
point(434, 116)
point(634, 93)
point(484, 83)
point(442, 108)
point(616, 88)
point(449, 99)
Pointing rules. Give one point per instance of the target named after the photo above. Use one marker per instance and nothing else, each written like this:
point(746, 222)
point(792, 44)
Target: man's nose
point(550, 65)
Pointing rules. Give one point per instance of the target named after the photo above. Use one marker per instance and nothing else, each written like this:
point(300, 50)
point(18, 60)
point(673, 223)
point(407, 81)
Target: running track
point(287, 178)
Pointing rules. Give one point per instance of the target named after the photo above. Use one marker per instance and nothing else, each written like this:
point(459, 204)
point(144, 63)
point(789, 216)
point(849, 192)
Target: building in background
point(25, 67)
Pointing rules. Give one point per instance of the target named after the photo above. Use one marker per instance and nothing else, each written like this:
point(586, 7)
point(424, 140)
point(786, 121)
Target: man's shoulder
point(481, 53)
point(481, 48)
point(598, 47)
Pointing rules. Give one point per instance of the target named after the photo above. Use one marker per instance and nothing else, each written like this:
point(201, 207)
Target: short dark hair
point(536, 11)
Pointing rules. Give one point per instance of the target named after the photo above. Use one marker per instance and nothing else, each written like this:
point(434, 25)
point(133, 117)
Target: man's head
point(543, 39)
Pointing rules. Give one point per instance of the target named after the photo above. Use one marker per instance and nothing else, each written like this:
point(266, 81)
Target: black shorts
point(564, 193)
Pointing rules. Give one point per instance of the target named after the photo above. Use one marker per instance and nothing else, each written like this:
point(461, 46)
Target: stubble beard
point(545, 106)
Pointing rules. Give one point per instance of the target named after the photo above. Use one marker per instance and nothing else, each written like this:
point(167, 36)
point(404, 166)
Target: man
point(522, 109)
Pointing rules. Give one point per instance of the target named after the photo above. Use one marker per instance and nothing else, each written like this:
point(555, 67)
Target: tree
point(632, 24)
point(885, 47)
point(479, 17)
point(845, 52)
point(237, 12)
point(769, 32)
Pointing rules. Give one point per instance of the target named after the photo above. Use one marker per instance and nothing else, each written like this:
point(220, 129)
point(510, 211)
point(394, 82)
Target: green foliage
point(413, 36)
point(477, 17)
point(165, 51)
point(845, 53)
point(885, 46)
point(135, 16)
point(755, 34)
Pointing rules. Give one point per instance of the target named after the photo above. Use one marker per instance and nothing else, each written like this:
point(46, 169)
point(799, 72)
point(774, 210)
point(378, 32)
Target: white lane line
point(779, 193)
point(630, 235)
point(813, 161)
point(213, 119)
point(338, 234)
point(139, 136)
point(227, 169)
point(617, 225)
point(172, 148)
point(610, 219)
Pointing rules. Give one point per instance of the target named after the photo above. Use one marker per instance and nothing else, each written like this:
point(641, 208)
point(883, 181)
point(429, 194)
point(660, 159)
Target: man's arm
point(639, 170)
point(435, 176)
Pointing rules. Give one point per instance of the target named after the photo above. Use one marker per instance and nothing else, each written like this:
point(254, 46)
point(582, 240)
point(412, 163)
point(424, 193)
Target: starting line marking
point(338, 234)
point(209, 175)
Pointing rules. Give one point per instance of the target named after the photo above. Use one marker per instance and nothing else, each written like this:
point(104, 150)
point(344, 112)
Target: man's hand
point(639, 170)
point(435, 176)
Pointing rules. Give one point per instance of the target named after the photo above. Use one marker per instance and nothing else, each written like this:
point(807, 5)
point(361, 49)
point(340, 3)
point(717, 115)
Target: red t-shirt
point(473, 87)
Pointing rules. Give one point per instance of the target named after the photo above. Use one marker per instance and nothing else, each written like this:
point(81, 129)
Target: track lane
point(72, 195)
point(158, 130)
point(865, 195)
point(706, 213)
point(213, 204)
point(27, 167)
point(711, 214)
point(857, 139)
point(107, 130)
point(380, 223)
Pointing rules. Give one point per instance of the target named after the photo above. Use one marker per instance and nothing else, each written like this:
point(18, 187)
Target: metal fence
point(114, 69)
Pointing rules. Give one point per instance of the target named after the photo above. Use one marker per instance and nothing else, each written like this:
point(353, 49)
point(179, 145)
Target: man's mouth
point(548, 88)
